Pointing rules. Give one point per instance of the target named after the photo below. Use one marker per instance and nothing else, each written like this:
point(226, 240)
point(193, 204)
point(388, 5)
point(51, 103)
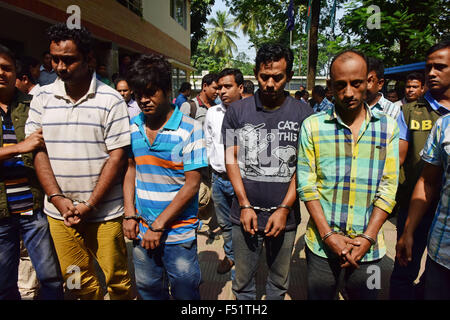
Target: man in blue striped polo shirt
point(161, 186)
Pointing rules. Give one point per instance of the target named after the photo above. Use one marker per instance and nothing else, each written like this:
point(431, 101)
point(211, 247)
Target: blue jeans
point(402, 278)
point(437, 282)
point(247, 250)
point(36, 238)
point(222, 194)
point(174, 264)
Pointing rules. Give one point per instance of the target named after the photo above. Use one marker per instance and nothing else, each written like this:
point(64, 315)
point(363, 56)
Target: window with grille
point(178, 11)
point(132, 5)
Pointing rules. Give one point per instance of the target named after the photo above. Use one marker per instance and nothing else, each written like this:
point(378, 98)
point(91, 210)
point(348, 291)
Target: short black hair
point(319, 90)
point(82, 37)
point(438, 46)
point(46, 52)
point(150, 71)
point(344, 53)
point(8, 52)
point(270, 52)
point(209, 78)
point(416, 76)
point(238, 76)
point(298, 93)
point(249, 87)
point(303, 92)
point(23, 68)
point(392, 91)
point(375, 64)
point(185, 86)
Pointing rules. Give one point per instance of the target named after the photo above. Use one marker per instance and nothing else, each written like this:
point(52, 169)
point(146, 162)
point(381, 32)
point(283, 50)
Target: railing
point(132, 5)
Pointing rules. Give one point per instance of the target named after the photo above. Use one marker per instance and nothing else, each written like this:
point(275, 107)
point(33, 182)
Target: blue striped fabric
point(437, 152)
point(14, 174)
point(160, 168)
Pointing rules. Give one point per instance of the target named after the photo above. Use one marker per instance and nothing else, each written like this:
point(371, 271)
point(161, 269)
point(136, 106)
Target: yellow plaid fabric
point(347, 177)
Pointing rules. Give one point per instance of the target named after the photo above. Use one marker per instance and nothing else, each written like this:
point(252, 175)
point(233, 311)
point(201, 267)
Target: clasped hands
point(73, 214)
point(350, 251)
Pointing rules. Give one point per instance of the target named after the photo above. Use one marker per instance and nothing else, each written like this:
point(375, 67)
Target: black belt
point(223, 175)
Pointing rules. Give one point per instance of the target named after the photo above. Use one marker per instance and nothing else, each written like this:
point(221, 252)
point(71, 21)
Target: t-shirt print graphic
point(261, 158)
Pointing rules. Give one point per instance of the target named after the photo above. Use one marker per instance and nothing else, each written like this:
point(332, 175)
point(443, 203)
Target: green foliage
point(408, 28)
point(243, 63)
point(221, 35)
point(204, 60)
point(200, 9)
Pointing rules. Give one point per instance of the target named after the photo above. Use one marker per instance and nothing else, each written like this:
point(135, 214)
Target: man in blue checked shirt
point(323, 104)
point(161, 187)
point(436, 172)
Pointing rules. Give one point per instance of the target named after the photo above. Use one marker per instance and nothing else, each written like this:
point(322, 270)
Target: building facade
point(120, 27)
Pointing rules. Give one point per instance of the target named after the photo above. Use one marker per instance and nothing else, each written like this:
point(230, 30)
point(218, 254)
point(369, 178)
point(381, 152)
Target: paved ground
point(218, 287)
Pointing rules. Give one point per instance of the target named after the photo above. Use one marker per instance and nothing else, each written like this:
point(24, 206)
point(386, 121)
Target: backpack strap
point(193, 109)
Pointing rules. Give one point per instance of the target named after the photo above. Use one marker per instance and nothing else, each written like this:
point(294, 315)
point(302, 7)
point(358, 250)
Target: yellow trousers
point(78, 247)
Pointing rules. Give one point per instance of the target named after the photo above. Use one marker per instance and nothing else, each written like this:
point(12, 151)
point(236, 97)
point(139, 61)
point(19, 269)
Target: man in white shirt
point(230, 82)
point(86, 131)
point(124, 89)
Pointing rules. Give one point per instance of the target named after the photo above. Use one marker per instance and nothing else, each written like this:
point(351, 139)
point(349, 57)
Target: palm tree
point(248, 26)
point(221, 35)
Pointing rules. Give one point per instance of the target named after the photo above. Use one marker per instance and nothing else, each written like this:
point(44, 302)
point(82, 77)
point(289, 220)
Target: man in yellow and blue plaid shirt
point(348, 174)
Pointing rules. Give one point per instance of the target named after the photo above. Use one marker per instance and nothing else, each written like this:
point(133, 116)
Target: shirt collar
point(43, 69)
point(200, 102)
point(434, 104)
point(380, 103)
point(175, 119)
point(173, 123)
point(60, 89)
point(370, 113)
point(221, 107)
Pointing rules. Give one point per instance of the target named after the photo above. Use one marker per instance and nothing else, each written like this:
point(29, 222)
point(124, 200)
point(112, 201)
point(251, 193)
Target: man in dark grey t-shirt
point(260, 137)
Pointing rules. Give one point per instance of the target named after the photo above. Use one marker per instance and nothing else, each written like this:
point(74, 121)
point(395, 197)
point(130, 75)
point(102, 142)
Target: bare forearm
point(45, 173)
point(129, 188)
point(316, 212)
point(179, 203)
point(9, 152)
point(403, 150)
point(376, 221)
point(231, 164)
point(291, 194)
point(424, 194)
point(112, 172)
point(236, 180)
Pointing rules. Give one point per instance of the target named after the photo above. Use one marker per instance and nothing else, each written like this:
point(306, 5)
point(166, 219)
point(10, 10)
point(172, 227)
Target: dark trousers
point(325, 277)
point(437, 282)
point(402, 279)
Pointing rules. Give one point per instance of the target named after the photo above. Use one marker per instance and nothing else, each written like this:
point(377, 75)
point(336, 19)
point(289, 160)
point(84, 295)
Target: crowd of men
point(84, 166)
